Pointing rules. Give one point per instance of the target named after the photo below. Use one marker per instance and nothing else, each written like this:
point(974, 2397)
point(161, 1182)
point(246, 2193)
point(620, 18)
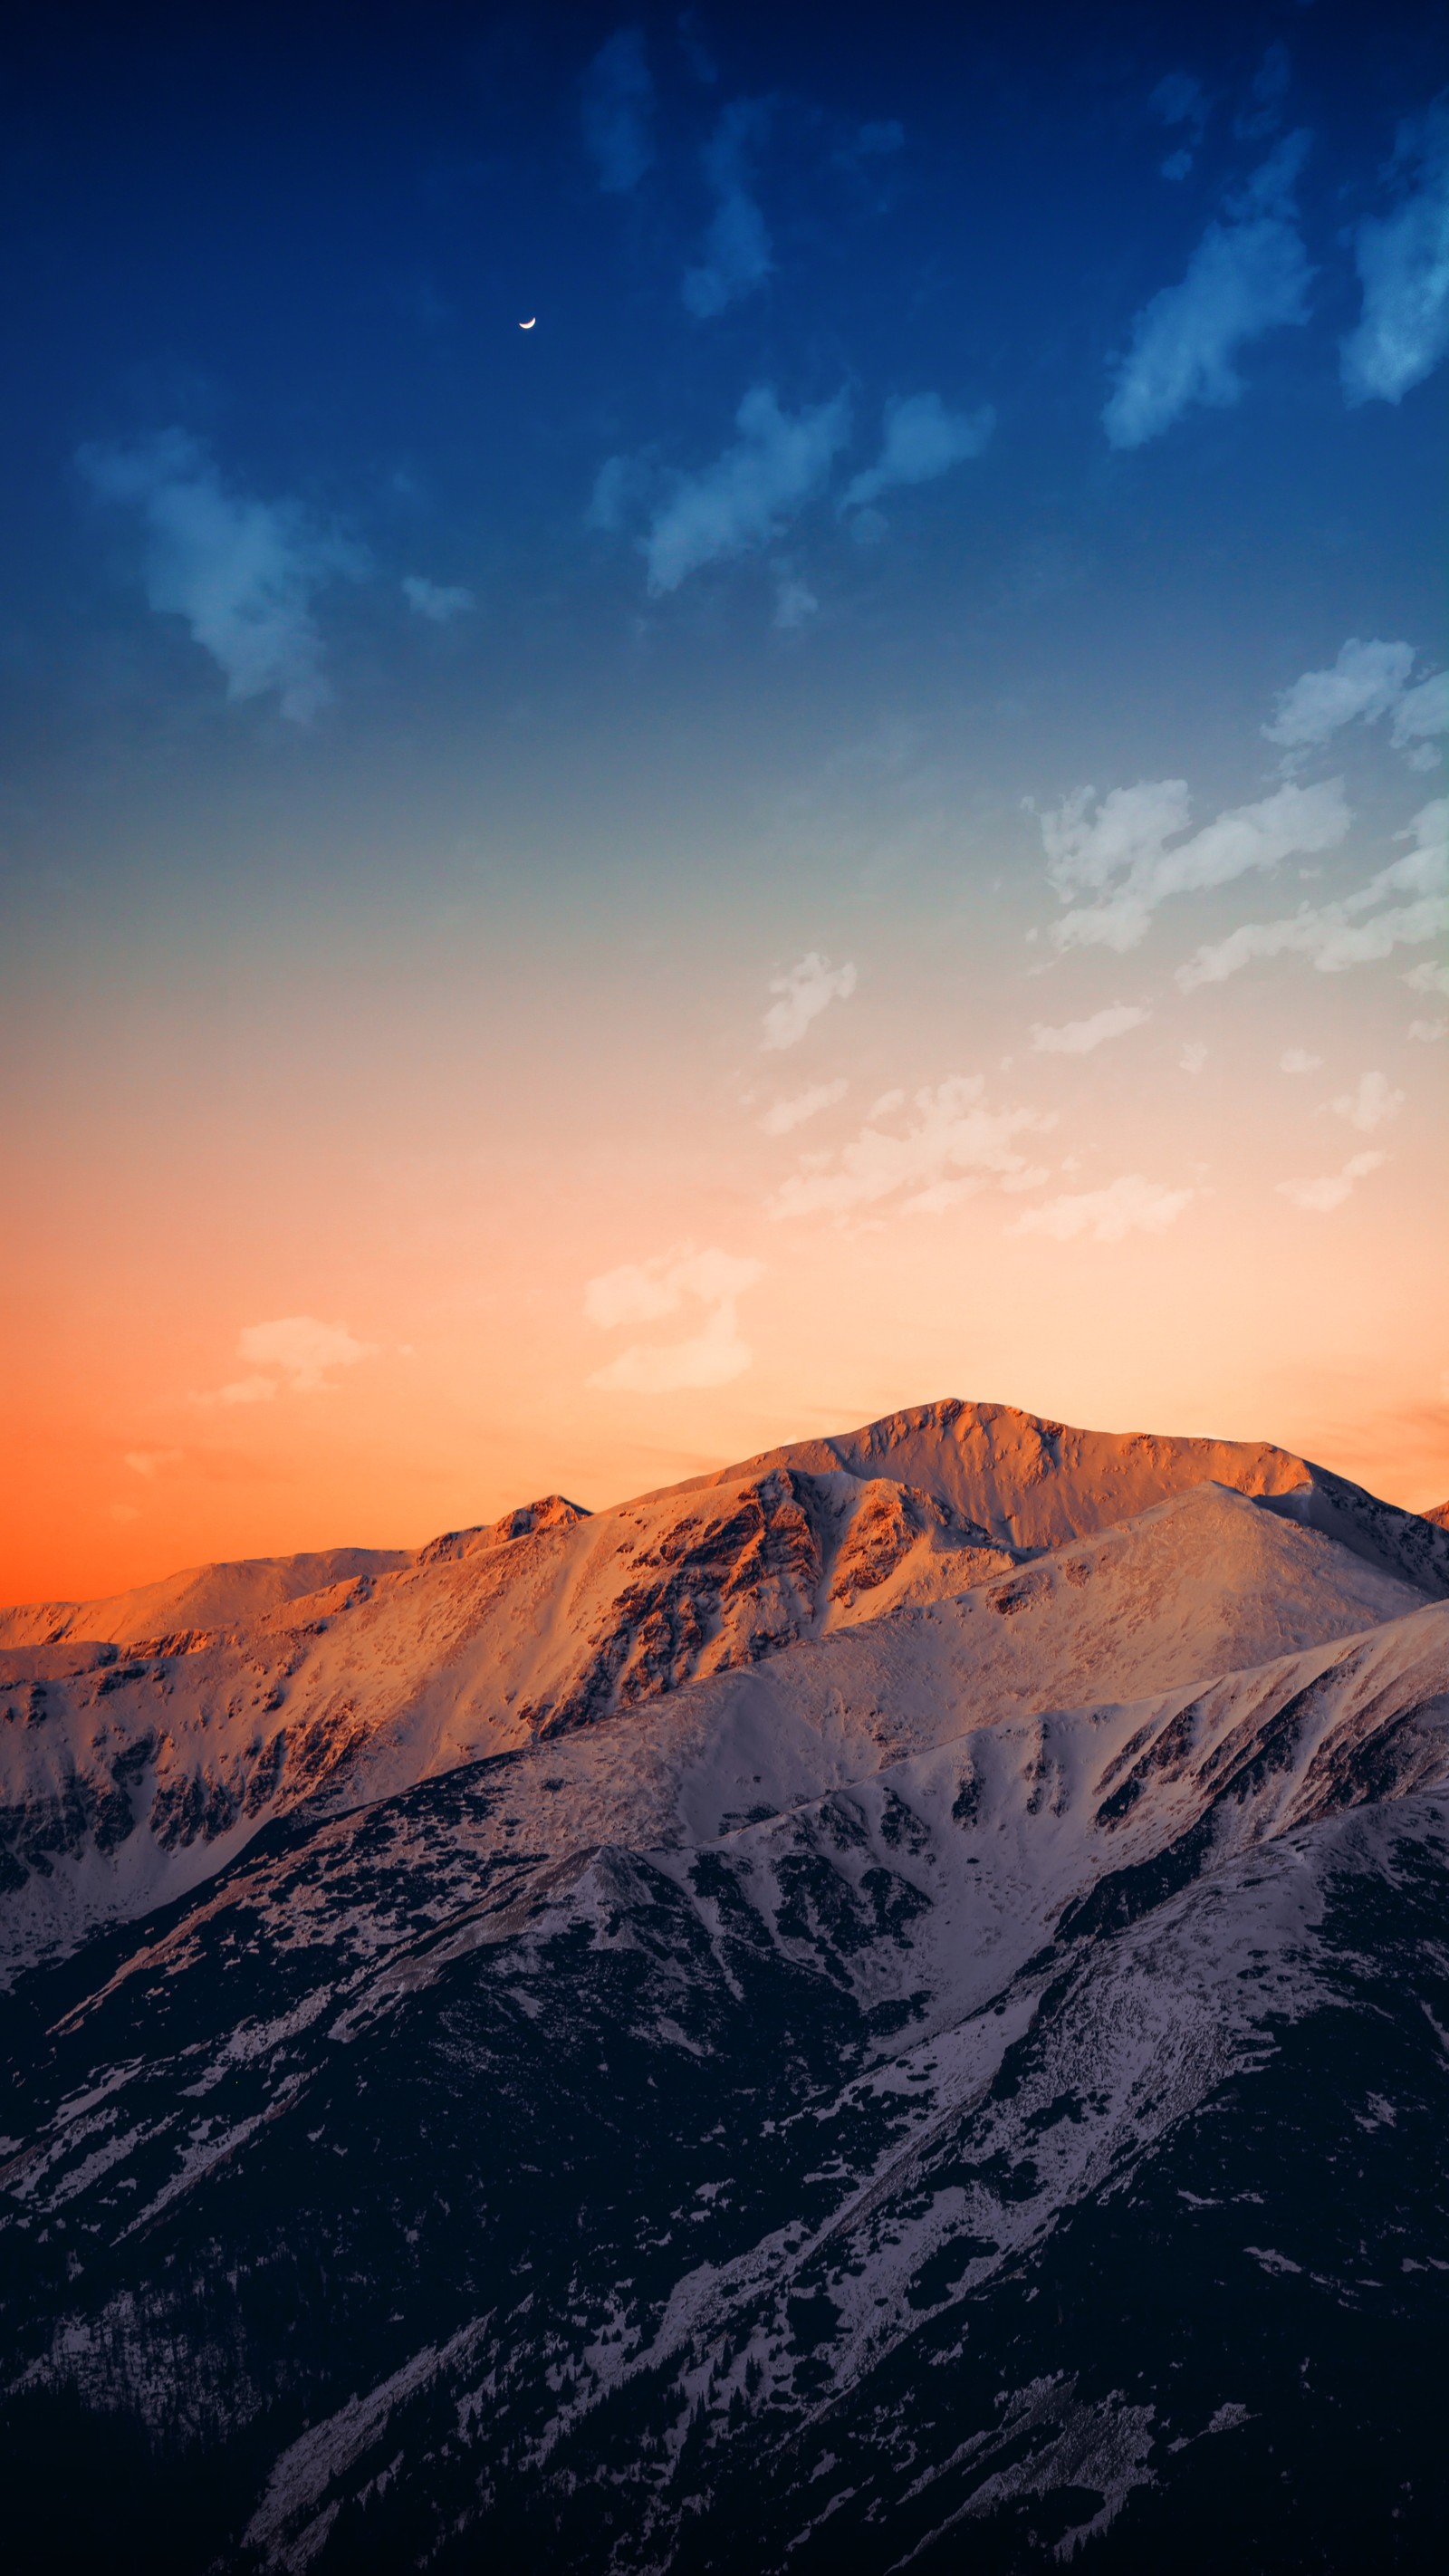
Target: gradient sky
point(858, 814)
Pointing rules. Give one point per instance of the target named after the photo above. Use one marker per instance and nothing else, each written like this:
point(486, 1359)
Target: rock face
point(848, 2015)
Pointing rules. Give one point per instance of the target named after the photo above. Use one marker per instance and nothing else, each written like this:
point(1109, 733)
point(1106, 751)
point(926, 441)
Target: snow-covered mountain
point(884, 2008)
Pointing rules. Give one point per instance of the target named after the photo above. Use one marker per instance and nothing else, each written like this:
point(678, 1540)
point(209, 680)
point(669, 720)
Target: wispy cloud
point(1356, 931)
point(737, 250)
point(1079, 1037)
point(1193, 1057)
point(1403, 264)
point(646, 1292)
point(242, 572)
point(1181, 100)
point(1298, 1060)
point(151, 1462)
point(1131, 1205)
point(436, 600)
point(795, 604)
point(956, 1145)
point(1118, 850)
point(1247, 276)
point(1428, 978)
point(1368, 681)
point(805, 991)
point(922, 440)
point(1372, 1101)
point(788, 1114)
point(1365, 681)
point(618, 101)
point(1320, 1197)
point(300, 1350)
point(750, 492)
point(1420, 714)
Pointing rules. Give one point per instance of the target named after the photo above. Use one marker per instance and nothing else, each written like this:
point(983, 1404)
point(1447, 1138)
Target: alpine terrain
point(884, 2008)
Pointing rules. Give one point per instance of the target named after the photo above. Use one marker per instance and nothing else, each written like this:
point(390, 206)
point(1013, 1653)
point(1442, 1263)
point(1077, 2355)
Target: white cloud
point(788, 1114)
point(805, 991)
point(922, 440)
point(1428, 978)
point(1131, 1205)
point(957, 1146)
point(1428, 1032)
point(1193, 1057)
point(1403, 263)
point(1337, 936)
point(1246, 277)
point(618, 98)
point(1364, 683)
point(738, 254)
point(1120, 851)
point(150, 1462)
point(1421, 713)
point(301, 1349)
point(1370, 1104)
point(1298, 1060)
point(1181, 100)
point(243, 573)
point(1321, 1197)
point(435, 599)
point(1079, 1037)
point(748, 493)
point(643, 1293)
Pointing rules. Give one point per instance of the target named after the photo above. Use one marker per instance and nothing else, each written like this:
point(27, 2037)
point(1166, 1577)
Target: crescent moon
point(528, 326)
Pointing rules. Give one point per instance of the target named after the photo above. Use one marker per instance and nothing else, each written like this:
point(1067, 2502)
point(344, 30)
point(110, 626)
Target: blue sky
point(969, 508)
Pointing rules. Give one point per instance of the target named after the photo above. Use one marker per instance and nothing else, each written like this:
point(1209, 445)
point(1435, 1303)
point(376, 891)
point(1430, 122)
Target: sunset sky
point(856, 815)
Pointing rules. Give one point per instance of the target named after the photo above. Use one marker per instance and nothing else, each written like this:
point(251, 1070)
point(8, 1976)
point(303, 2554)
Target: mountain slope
point(781, 2198)
point(127, 1781)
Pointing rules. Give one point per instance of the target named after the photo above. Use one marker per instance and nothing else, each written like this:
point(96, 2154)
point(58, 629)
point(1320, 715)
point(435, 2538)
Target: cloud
point(1298, 1060)
point(1366, 682)
point(242, 572)
point(301, 1349)
point(1352, 932)
point(1403, 265)
point(1428, 978)
point(1428, 1032)
point(805, 991)
point(1370, 1104)
point(787, 1114)
point(922, 440)
point(737, 246)
point(434, 600)
point(618, 100)
point(1321, 1197)
point(1246, 277)
point(795, 604)
point(748, 493)
point(1193, 1057)
point(1265, 98)
point(1119, 850)
point(1079, 1037)
point(643, 1293)
point(956, 1146)
point(1131, 1205)
point(1179, 99)
point(1420, 713)
point(150, 1462)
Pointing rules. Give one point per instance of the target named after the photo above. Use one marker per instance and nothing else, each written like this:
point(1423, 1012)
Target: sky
point(711, 721)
